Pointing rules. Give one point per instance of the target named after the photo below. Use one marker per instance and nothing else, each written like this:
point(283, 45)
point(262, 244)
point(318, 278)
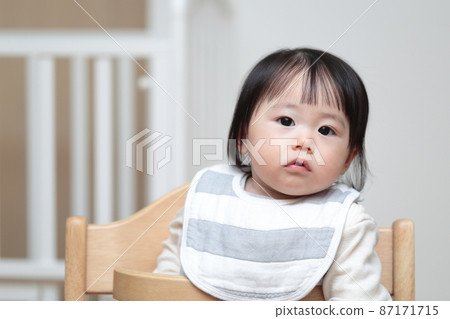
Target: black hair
point(324, 76)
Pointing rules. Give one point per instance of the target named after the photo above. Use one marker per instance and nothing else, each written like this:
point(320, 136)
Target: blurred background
point(81, 79)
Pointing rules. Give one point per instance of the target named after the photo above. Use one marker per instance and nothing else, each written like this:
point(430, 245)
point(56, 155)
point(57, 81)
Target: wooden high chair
point(118, 258)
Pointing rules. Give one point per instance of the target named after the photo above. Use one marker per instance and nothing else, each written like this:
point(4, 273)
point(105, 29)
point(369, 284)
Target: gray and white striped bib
point(238, 246)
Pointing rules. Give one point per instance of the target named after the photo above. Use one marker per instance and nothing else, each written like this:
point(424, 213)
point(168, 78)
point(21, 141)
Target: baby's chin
point(289, 193)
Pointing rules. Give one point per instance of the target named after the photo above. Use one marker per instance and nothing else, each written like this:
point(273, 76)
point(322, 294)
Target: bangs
point(318, 84)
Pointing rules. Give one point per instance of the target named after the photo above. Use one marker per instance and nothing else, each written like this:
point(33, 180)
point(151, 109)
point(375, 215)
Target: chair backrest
point(93, 251)
point(118, 258)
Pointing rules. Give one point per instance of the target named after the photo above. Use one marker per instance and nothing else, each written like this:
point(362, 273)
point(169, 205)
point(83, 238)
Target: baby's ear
point(351, 155)
point(241, 146)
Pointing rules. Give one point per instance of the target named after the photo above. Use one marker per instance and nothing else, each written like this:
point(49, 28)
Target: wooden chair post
point(75, 270)
point(404, 266)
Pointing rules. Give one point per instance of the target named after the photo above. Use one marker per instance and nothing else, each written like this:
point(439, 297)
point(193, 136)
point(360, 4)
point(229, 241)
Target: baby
point(285, 216)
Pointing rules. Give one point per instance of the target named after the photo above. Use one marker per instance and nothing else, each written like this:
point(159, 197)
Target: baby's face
point(296, 149)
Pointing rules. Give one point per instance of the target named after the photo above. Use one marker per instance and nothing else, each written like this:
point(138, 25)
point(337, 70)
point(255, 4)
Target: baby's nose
point(307, 144)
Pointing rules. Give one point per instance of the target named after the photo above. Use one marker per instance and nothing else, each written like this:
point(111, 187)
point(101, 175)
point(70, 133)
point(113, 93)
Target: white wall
point(401, 50)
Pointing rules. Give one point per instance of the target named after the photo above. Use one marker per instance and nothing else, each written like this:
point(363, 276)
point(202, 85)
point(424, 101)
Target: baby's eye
point(286, 121)
point(325, 130)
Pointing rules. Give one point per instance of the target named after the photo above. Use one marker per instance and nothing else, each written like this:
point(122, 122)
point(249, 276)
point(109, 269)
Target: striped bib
point(240, 246)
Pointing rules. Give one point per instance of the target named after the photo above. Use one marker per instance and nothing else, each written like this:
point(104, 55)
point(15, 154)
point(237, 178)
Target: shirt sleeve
point(355, 273)
point(168, 261)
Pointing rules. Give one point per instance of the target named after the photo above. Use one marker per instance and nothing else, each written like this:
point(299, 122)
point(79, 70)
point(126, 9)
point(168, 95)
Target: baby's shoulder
point(357, 215)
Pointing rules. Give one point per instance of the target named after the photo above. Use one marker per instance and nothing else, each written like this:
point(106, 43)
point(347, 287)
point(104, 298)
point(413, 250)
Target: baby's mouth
point(299, 163)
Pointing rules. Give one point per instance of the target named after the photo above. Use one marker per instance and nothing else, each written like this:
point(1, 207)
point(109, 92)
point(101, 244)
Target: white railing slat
point(33, 160)
point(27, 269)
point(32, 42)
point(80, 185)
point(126, 129)
point(41, 159)
point(103, 137)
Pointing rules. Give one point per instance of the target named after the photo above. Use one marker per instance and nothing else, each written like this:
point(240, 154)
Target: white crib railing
point(111, 60)
point(39, 276)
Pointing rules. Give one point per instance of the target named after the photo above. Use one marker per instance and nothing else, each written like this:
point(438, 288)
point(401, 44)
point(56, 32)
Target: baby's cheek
point(274, 156)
